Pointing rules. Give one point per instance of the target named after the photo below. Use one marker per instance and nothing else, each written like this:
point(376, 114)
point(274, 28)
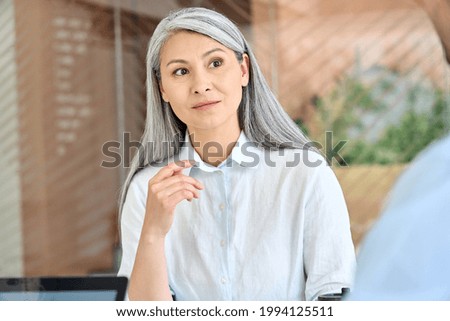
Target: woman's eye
point(180, 72)
point(216, 63)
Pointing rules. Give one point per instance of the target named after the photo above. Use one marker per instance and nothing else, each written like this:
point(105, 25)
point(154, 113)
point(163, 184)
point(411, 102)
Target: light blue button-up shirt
point(269, 225)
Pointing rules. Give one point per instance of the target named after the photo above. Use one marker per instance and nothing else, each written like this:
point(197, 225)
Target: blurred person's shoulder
point(425, 174)
point(439, 148)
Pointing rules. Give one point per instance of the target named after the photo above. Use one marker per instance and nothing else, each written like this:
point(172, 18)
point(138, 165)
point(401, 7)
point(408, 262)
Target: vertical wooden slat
point(10, 193)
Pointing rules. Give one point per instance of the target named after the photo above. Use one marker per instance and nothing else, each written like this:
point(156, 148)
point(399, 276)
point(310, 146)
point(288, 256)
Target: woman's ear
point(245, 67)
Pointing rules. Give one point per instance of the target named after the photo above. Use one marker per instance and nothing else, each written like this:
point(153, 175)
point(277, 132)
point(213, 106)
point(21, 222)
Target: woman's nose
point(201, 83)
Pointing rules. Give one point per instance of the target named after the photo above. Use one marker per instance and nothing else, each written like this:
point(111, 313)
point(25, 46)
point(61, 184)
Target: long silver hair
point(261, 116)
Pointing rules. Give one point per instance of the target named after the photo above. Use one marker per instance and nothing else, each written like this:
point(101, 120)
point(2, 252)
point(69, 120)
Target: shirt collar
point(245, 154)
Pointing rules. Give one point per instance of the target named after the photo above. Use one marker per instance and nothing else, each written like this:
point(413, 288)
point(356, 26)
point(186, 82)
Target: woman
point(224, 200)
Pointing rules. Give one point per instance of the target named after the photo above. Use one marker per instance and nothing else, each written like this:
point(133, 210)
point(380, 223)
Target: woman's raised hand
point(165, 190)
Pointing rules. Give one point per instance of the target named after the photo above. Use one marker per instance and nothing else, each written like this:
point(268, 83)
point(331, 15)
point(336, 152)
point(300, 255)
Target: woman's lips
point(204, 105)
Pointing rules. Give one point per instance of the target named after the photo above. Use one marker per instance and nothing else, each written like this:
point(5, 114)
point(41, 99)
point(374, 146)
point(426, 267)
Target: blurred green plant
point(361, 112)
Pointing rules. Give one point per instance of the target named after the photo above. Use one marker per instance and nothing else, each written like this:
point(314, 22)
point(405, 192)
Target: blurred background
point(72, 77)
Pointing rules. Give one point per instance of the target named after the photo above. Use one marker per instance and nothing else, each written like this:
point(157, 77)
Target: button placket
point(222, 211)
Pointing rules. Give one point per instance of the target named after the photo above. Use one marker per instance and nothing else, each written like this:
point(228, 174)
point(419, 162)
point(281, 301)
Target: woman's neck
point(213, 146)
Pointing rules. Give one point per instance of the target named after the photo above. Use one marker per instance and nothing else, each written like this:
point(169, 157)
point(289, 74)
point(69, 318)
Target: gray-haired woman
point(225, 201)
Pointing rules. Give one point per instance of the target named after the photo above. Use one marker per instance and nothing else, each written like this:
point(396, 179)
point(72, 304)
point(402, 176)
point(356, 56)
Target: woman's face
point(202, 80)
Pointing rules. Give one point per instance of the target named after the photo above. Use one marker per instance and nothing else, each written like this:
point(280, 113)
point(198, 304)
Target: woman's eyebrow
point(174, 61)
point(212, 51)
point(182, 61)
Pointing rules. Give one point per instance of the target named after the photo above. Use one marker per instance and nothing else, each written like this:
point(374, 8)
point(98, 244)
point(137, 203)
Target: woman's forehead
point(183, 42)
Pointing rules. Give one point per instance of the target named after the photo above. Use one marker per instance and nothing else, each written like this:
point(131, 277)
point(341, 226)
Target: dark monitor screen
point(104, 288)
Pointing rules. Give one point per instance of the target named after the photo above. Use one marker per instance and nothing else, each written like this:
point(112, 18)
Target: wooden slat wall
point(312, 44)
point(67, 111)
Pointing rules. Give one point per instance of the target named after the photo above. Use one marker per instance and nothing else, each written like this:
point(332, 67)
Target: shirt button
point(223, 280)
point(222, 243)
point(222, 206)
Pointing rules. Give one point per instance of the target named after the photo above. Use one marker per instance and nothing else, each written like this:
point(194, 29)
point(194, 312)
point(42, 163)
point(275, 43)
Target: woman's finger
point(170, 169)
point(159, 186)
point(179, 196)
point(179, 186)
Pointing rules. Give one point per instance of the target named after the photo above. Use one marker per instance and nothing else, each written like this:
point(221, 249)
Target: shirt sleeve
point(131, 221)
point(329, 256)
